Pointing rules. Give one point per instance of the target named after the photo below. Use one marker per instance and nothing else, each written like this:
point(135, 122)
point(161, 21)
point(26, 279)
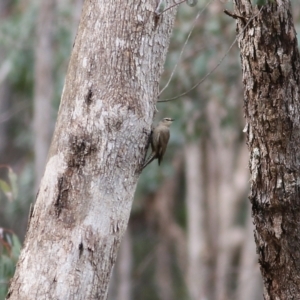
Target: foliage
point(9, 187)
point(10, 247)
point(17, 46)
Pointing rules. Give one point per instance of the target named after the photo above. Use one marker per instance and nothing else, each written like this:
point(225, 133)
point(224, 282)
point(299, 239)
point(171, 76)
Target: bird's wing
point(163, 142)
point(155, 140)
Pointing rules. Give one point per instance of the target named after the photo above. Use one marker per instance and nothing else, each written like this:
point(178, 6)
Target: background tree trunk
point(161, 217)
point(4, 87)
point(196, 237)
point(104, 121)
point(229, 185)
point(77, 4)
point(271, 68)
point(249, 278)
point(44, 87)
point(124, 268)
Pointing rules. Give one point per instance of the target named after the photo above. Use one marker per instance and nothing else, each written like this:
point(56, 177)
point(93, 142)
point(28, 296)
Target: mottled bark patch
point(80, 149)
point(88, 98)
point(62, 195)
point(80, 248)
point(63, 205)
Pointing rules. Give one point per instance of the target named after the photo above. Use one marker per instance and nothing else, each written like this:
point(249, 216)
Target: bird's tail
point(149, 160)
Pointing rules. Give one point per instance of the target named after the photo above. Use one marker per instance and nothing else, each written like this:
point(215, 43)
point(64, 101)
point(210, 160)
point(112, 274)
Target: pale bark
point(211, 166)
point(227, 186)
point(120, 285)
point(77, 4)
point(124, 268)
point(161, 215)
point(43, 87)
point(196, 239)
point(5, 68)
point(98, 147)
point(4, 105)
point(163, 274)
point(271, 68)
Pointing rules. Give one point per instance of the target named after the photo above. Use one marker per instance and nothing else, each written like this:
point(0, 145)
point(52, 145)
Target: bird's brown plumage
point(159, 141)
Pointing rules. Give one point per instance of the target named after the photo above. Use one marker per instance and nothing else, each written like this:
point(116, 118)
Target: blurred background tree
point(190, 234)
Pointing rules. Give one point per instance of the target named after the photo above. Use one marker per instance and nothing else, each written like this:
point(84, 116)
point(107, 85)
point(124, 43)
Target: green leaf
point(6, 189)
point(4, 186)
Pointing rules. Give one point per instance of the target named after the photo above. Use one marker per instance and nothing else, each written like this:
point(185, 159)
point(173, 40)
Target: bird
point(159, 141)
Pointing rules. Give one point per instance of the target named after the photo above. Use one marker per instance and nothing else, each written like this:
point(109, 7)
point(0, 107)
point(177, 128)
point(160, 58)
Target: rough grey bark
point(104, 121)
point(43, 87)
point(271, 70)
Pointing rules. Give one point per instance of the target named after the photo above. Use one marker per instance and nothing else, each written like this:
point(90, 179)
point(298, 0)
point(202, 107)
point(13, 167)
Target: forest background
point(190, 233)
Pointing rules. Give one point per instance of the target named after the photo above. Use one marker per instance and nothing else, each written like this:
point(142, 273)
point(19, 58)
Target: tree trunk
point(196, 239)
point(271, 68)
point(4, 104)
point(43, 87)
point(160, 215)
point(5, 96)
point(228, 177)
point(99, 143)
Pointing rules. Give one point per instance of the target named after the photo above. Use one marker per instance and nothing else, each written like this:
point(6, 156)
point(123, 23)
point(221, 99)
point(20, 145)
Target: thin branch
point(171, 7)
point(182, 49)
point(232, 15)
point(209, 73)
point(5, 116)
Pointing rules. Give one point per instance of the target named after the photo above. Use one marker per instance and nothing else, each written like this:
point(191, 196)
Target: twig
point(182, 50)
point(171, 7)
point(209, 73)
point(232, 15)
